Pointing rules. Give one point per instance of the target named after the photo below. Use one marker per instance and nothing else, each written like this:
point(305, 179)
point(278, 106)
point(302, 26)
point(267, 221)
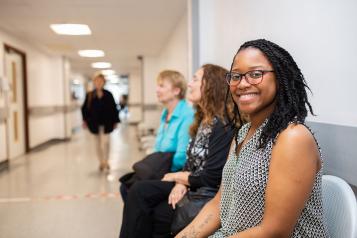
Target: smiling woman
point(275, 188)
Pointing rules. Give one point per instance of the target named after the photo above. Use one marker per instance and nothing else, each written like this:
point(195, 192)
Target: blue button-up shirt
point(173, 136)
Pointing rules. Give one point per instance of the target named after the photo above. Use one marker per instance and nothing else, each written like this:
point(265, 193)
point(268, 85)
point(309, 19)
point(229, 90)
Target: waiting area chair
point(145, 129)
point(340, 207)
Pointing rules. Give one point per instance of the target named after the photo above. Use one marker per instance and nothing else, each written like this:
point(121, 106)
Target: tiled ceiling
point(124, 29)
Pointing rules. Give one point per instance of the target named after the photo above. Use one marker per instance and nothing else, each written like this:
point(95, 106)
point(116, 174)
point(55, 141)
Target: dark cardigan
point(100, 112)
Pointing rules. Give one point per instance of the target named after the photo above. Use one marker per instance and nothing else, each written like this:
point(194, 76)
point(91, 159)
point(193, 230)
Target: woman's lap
point(149, 193)
point(146, 209)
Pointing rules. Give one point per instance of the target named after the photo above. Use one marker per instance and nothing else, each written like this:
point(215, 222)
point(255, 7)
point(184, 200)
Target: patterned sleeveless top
point(198, 149)
point(244, 183)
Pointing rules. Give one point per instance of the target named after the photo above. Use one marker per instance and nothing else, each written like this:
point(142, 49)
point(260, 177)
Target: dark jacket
point(153, 167)
point(100, 112)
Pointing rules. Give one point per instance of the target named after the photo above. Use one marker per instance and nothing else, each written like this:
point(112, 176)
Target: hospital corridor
point(178, 118)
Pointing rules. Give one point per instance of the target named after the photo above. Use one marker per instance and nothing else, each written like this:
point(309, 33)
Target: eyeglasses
point(253, 77)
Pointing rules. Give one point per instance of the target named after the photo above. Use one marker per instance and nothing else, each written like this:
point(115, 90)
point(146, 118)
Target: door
point(16, 121)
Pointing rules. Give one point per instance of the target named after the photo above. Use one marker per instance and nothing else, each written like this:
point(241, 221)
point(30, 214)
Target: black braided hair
point(291, 99)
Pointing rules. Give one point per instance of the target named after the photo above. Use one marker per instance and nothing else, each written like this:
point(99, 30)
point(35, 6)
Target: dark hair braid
point(236, 120)
point(291, 98)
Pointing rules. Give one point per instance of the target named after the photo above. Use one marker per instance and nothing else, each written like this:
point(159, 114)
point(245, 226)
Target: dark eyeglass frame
point(248, 79)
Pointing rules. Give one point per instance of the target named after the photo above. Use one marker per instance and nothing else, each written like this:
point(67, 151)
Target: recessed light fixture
point(108, 72)
point(101, 65)
point(71, 29)
point(113, 76)
point(91, 53)
point(76, 82)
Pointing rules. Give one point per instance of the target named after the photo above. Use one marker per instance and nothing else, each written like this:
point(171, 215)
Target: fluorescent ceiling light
point(71, 29)
point(76, 82)
point(101, 65)
point(108, 72)
point(91, 53)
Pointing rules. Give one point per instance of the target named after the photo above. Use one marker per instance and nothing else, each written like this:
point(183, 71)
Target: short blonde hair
point(176, 79)
point(98, 75)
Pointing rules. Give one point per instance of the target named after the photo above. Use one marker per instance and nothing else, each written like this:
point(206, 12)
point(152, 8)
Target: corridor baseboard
point(47, 144)
point(4, 165)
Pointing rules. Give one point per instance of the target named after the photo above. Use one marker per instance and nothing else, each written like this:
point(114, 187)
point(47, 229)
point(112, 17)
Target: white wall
point(75, 117)
point(135, 96)
point(45, 88)
point(151, 70)
point(67, 100)
point(45, 80)
point(45, 128)
point(174, 55)
point(321, 35)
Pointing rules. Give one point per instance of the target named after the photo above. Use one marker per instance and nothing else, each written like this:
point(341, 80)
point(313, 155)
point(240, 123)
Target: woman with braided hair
point(271, 183)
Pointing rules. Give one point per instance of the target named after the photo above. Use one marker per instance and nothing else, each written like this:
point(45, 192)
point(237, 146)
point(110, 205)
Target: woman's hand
point(177, 194)
point(178, 177)
point(169, 177)
point(206, 222)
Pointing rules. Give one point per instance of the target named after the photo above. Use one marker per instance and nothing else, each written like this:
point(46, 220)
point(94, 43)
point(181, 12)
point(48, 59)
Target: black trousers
point(146, 210)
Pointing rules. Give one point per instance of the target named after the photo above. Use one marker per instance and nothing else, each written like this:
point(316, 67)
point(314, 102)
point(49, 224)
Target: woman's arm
point(210, 176)
point(206, 222)
point(84, 108)
point(178, 177)
point(293, 167)
point(114, 110)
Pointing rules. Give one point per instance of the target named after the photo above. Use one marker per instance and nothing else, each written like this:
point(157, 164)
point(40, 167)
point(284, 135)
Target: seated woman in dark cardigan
point(149, 209)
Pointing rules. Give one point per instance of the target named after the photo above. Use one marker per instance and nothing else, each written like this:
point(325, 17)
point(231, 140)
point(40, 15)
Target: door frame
point(8, 48)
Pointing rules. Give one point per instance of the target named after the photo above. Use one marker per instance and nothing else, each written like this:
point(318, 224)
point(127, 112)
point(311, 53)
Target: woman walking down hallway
point(271, 183)
point(100, 116)
point(149, 209)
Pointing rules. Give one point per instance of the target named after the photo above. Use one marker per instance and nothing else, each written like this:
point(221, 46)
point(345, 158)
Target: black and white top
point(244, 183)
point(207, 154)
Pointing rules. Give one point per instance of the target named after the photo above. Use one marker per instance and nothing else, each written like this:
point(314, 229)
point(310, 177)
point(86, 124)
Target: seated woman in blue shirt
point(177, 116)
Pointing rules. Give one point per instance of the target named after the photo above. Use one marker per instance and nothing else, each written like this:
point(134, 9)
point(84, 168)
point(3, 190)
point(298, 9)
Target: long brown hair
point(214, 90)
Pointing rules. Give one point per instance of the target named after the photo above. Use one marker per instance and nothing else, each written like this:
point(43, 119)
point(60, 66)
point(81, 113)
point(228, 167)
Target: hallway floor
point(58, 191)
